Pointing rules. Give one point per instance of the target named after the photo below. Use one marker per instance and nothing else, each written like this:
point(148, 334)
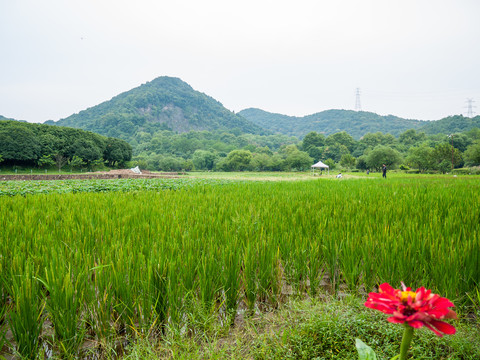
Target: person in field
point(384, 171)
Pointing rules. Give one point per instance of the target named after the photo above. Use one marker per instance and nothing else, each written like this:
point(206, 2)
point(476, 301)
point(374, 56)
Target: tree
point(76, 162)
point(204, 160)
point(472, 154)
point(347, 161)
point(298, 160)
point(411, 137)
point(315, 152)
point(86, 150)
point(383, 155)
point(331, 164)
point(19, 144)
point(117, 152)
point(313, 139)
point(238, 160)
point(341, 138)
point(420, 158)
point(261, 162)
point(362, 163)
point(335, 152)
point(60, 161)
point(46, 161)
point(445, 152)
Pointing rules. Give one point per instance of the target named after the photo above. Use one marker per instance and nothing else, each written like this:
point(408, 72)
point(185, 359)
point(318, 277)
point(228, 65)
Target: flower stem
point(406, 340)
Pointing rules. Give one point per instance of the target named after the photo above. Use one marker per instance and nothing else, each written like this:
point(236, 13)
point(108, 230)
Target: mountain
point(356, 123)
point(450, 125)
point(166, 103)
point(5, 118)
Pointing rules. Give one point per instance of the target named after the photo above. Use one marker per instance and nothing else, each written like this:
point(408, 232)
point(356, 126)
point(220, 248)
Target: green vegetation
point(411, 150)
point(13, 188)
point(305, 329)
point(37, 145)
point(356, 123)
point(172, 127)
point(165, 103)
point(159, 265)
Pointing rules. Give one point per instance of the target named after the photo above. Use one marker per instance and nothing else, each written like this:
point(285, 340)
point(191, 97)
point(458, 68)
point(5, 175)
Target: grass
point(303, 329)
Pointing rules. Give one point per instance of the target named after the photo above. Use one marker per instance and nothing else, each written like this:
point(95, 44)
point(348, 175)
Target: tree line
point(223, 151)
point(44, 146)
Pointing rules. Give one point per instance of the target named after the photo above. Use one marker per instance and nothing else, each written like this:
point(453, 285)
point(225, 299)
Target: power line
point(358, 105)
point(470, 107)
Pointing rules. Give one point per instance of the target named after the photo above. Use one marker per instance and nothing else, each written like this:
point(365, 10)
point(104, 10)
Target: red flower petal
point(395, 320)
point(416, 324)
point(444, 327)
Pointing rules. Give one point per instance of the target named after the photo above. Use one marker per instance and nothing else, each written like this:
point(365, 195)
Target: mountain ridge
point(356, 123)
point(165, 103)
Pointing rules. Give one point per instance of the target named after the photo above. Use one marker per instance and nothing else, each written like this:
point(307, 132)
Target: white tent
point(320, 166)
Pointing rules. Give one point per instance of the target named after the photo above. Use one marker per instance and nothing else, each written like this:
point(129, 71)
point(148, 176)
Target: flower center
point(406, 294)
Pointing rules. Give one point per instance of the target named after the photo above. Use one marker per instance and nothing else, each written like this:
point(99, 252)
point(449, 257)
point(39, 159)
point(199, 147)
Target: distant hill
point(450, 125)
point(5, 118)
point(356, 123)
point(165, 103)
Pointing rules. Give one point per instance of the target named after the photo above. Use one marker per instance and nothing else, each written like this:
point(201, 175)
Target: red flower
point(417, 309)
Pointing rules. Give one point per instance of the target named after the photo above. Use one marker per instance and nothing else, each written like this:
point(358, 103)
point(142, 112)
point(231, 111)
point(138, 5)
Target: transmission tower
point(358, 105)
point(470, 107)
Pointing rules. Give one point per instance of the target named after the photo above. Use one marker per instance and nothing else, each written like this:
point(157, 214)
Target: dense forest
point(229, 152)
point(165, 103)
point(356, 123)
point(37, 145)
point(51, 146)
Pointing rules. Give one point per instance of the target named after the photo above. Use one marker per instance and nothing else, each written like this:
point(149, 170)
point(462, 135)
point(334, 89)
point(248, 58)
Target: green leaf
point(365, 352)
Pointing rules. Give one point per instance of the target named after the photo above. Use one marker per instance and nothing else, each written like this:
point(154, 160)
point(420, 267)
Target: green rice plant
point(231, 282)
point(300, 264)
point(155, 301)
point(269, 281)
point(100, 305)
point(140, 254)
point(209, 275)
point(4, 307)
point(315, 267)
point(175, 294)
point(64, 305)
point(249, 278)
point(124, 288)
point(25, 318)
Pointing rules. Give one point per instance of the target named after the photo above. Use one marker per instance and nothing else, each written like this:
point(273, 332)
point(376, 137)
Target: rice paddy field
point(85, 263)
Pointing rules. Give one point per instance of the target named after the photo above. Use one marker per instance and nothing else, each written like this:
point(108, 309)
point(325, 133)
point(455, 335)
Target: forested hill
point(165, 103)
point(5, 118)
point(356, 123)
point(451, 125)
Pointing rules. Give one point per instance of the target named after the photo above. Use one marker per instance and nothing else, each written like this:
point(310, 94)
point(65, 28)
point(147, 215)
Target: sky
point(417, 59)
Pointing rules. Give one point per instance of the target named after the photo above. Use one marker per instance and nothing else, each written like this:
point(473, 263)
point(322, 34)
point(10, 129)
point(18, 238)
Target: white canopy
point(320, 165)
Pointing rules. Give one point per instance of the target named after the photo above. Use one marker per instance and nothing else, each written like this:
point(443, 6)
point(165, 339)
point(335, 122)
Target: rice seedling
point(26, 317)
point(64, 305)
point(120, 262)
point(231, 281)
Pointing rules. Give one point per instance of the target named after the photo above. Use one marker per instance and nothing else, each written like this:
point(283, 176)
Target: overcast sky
point(416, 59)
